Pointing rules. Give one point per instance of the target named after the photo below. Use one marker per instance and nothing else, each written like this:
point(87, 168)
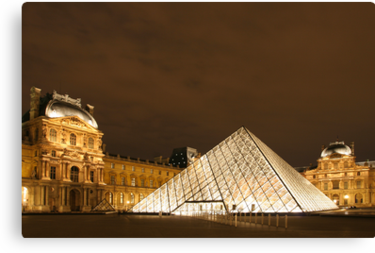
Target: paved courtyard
point(146, 226)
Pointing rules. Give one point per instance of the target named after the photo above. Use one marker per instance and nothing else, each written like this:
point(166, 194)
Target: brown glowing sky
point(166, 75)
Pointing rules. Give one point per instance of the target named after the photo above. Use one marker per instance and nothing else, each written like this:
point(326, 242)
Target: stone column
point(46, 189)
point(84, 196)
point(48, 170)
point(67, 196)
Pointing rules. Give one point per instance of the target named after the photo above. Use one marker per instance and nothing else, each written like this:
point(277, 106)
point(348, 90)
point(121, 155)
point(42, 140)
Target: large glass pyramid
point(241, 173)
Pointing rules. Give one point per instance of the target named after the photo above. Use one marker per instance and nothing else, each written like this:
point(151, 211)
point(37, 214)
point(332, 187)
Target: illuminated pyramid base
point(241, 173)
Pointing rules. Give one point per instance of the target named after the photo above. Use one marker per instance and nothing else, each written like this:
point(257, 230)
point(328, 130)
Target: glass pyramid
point(241, 173)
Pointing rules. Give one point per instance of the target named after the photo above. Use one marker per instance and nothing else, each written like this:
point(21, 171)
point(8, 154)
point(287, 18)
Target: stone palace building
point(64, 167)
point(343, 180)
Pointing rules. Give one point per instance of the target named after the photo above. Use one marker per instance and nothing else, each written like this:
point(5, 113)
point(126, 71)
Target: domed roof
point(62, 106)
point(337, 147)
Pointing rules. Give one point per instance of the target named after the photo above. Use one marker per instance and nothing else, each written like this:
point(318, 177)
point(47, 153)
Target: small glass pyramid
point(242, 174)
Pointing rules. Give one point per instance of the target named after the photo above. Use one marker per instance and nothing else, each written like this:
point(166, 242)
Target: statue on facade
point(63, 136)
point(44, 131)
point(84, 140)
point(33, 174)
point(100, 143)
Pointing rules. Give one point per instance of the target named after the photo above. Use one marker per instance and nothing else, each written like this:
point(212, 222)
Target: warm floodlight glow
point(243, 175)
point(346, 196)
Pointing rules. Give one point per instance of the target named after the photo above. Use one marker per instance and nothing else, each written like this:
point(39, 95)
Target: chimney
point(352, 147)
point(34, 102)
point(104, 147)
point(90, 109)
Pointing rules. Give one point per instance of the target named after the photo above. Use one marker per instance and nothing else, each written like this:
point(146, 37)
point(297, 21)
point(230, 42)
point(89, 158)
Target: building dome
point(62, 106)
point(337, 147)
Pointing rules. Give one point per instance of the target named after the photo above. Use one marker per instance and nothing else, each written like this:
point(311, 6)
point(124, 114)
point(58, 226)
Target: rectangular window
point(133, 169)
point(122, 181)
point(53, 153)
point(174, 174)
point(159, 172)
point(359, 184)
point(151, 171)
point(336, 184)
point(325, 186)
point(345, 201)
point(142, 182)
point(133, 181)
point(112, 165)
point(314, 176)
point(92, 176)
point(346, 174)
point(167, 173)
point(346, 185)
point(143, 170)
point(123, 167)
point(151, 183)
point(358, 173)
point(53, 173)
point(112, 179)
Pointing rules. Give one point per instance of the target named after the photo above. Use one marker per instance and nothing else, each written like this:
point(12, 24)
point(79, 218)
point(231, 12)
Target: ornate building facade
point(341, 179)
point(64, 168)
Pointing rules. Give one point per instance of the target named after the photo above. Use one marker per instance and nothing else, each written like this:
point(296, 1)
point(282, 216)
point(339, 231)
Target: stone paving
point(147, 226)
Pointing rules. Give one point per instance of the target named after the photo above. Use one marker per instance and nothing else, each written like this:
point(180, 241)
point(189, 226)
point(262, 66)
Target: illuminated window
point(53, 173)
point(123, 167)
point(92, 176)
point(151, 183)
point(52, 135)
point(112, 180)
point(91, 142)
point(74, 171)
point(121, 198)
point(72, 139)
point(151, 171)
point(133, 181)
point(112, 165)
point(133, 169)
point(142, 183)
point(131, 198)
point(325, 186)
point(53, 153)
point(110, 195)
point(122, 181)
point(141, 197)
point(346, 185)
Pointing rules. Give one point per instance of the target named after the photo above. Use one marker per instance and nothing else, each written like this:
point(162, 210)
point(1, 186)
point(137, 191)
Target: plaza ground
point(347, 224)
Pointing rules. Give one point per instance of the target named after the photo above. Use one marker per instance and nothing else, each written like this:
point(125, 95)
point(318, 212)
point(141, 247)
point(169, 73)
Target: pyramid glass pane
point(245, 174)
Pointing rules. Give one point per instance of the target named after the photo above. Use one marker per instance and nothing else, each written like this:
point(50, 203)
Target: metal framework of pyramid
point(240, 172)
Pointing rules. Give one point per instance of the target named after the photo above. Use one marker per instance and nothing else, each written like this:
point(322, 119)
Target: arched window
point(52, 135)
point(141, 197)
point(91, 142)
point(131, 198)
point(121, 198)
point(72, 139)
point(74, 174)
point(358, 198)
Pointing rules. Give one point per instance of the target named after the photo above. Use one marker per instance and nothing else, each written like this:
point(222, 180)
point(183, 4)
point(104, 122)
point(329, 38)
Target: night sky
point(168, 75)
